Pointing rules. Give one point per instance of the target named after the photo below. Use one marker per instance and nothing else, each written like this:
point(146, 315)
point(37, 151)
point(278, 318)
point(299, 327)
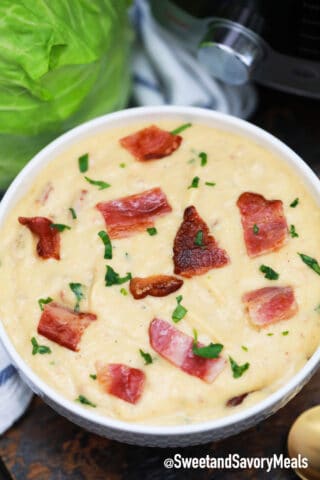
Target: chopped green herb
point(76, 288)
point(73, 213)
point(270, 274)
point(311, 262)
point(199, 239)
point(123, 292)
point(204, 158)
point(113, 278)
point(152, 231)
point(82, 399)
point(244, 348)
point(107, 244)
point(93, 376)
point(270, 334)
point(317, 309)
point(238, 370)
point(122, 165)
point(36, 348)
point(60, 227)
point(212, 350)
point(210, 184)
point(285, 333)
point(181, 128)
point(83, 162)
point(44, 301)
point(98, 183)
point(294, 203)
point(146, 357)
point(255, 229)
point(194, 183)
point(180, 311)
point(293, 232)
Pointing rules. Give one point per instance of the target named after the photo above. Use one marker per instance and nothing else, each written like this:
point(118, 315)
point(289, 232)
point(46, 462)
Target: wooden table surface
point(45, 446)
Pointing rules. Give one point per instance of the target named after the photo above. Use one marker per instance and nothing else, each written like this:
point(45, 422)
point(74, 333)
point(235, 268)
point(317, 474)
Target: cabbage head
point(62, 62)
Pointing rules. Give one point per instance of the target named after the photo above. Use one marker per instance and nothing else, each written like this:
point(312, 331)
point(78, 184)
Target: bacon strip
point(156, 286)
point(270, 304)
point(189, 258)
point(48, 245)
point(264, 224)
point(121, 381)
point(151, 143)
point(176, 347)
point(64, 326)
point(128, 215)
point(235, 401)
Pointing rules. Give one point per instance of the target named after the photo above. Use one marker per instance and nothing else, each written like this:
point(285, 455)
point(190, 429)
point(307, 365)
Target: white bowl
point(139, 434)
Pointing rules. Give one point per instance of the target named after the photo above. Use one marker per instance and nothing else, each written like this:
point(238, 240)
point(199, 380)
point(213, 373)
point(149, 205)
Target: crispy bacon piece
point(192, 256)
point(156, 286)
point(64, 326)
point(264, 224)
point(151, 143)
point(270, 304)
point(235, 401)
point(128, 215)
point(121, 381)
point(176, 347)
point(48, 245)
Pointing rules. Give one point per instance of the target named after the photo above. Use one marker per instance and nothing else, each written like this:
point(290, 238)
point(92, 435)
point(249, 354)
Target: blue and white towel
point(14, 394)
point(164, 73)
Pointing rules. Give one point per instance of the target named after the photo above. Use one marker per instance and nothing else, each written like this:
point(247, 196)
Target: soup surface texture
point(209, 170)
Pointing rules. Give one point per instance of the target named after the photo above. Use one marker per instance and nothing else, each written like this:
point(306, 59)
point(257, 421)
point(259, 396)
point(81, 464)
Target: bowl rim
point(127, 117)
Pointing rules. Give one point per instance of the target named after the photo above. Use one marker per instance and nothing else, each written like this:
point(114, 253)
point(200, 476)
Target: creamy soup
point(263, 357)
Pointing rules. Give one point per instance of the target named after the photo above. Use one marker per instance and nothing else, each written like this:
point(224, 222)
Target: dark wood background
point(44, 446)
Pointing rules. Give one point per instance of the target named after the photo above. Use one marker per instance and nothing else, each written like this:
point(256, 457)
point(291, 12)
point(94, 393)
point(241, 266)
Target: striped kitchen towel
point(165, 72)
point(14, 394)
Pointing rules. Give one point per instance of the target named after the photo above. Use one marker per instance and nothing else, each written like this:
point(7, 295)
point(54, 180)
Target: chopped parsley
point(317, 309)
point(107, 244)
point(76, 288)
point(244, 348)
point(122, 165)
point(98, 183)
point(83, 162)
point(36, 348)
point(210, 184)
point(181, 128)
point(73, 213)
point(123, 292)
point(269, 273)
point(146, 357)
point(113, 278)
point(180, 311)
point(293, 232)
point(93, 376)
point(152, 231)
point(82, 399)
point(209, 351)
point(285, 333)
point(311, 262)
point(199, 239)
point(294, 203)
point(238, 370)
point(60, 227)
point(255, 229)
point(44, 301)
point(194, 183)
point(270, 334)
point(204, 158)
